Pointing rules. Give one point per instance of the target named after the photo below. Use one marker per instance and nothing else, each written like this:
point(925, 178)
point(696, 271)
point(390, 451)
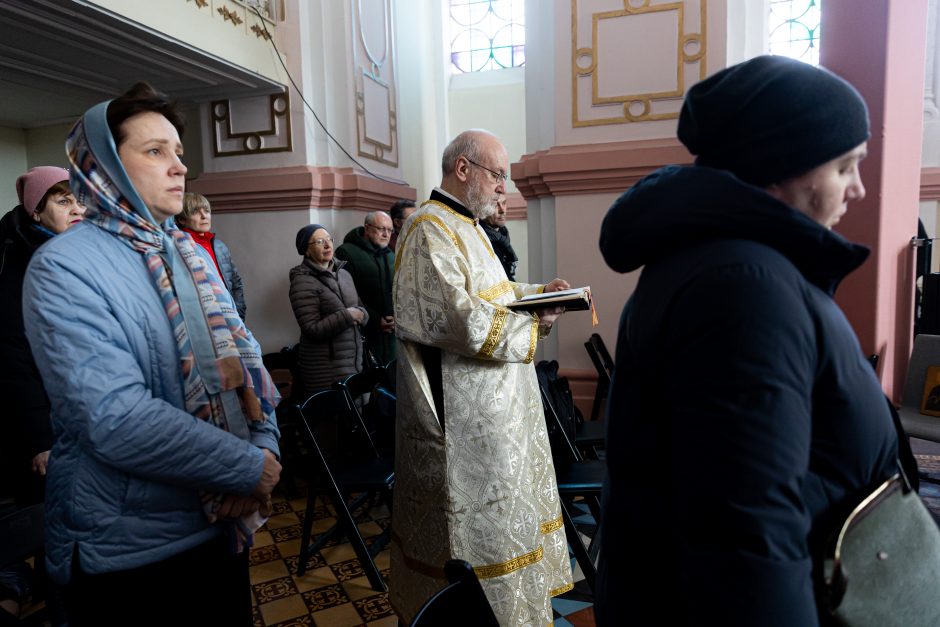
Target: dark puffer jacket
point(744, 421)
point(371, 269)
point(499, 238)
point(330, 341)
point(24, 412)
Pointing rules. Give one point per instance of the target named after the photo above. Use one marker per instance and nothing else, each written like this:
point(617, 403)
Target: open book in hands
point(575, 299)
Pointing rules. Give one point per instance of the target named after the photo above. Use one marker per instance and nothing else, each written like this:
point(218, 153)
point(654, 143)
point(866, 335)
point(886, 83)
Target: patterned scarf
point(224, 380)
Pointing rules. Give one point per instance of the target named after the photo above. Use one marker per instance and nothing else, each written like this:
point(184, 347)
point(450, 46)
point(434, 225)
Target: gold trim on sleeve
point(496, 291)
point(498, 570)
point(563, 589)
point(533, 341)
point(483, 238)
point(552, 525)
point(541, 289)
point(440, 223)
point(496, 329)
point(456, 214)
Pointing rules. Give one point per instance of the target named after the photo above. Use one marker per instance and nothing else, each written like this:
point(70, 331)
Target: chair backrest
point(461, 603)
point(564, 451)
point(603, 355)
point(354, 387)
point(284, 371)
point(926, 353)
point(327, 418)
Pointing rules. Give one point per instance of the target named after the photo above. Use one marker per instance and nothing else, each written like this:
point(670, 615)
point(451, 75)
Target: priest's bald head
point(474, 167)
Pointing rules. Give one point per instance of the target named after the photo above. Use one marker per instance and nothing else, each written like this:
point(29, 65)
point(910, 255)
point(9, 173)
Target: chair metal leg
point(345, 519)
point(577, 546)
point(308, 528)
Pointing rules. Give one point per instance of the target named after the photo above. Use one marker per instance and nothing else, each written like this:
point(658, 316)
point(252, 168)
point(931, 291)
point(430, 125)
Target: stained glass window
point(487, 34)
point(794, 29)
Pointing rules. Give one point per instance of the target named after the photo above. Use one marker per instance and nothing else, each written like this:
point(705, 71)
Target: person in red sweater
point(196, 219)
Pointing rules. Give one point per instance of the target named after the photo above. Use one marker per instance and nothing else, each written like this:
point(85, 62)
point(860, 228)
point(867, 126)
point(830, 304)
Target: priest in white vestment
point(473, 467)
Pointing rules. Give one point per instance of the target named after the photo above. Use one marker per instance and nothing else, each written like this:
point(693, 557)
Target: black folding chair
point(604, 365)
point(371, 381)
point(576, 477)
point(462, 603)
point(340, 473)
point(285, 371)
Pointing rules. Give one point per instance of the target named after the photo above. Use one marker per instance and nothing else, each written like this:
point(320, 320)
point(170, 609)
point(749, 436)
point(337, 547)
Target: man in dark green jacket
point(371, 263)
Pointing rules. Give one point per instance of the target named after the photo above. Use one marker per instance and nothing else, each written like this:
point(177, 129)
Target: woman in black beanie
point(744, 419)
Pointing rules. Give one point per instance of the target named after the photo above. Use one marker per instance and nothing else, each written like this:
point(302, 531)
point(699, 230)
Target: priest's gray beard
point(479, 203)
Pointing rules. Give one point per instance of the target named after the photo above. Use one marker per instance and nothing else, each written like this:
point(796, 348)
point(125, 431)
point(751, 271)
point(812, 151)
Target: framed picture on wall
point(930, 404)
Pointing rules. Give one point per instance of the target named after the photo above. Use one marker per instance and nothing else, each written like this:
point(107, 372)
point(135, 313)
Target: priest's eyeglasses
point(498, 177)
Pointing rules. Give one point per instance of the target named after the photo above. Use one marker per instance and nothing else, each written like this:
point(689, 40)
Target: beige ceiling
point(58, 57)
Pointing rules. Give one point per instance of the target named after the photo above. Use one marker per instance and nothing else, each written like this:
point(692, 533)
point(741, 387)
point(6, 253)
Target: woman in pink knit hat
point(47, 208)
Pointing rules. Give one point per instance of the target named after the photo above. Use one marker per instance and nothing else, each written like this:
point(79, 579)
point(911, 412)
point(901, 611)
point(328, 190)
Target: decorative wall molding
point(275, 138)
point(593, 168)
point(297, 187)
point(375, 84)
point(230, 16)
point(517, 208)
point(260, 32)
point(658, 33)
point(614, 167)
point(240, 12)
point(930, 184)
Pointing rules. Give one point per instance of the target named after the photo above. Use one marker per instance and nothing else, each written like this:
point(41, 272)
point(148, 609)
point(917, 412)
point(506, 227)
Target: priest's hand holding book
point(548, 315)
point(557, 297)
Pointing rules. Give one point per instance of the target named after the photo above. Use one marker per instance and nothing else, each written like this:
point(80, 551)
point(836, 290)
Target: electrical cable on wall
point(277, 53)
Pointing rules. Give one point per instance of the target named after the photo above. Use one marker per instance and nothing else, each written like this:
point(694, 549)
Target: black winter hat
point(304, 235)
point(772, 118)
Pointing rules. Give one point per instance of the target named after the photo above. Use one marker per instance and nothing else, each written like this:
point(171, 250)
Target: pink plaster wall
point(879, 46)
point(585, 180)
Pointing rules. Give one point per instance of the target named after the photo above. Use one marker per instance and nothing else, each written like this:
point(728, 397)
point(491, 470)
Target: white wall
point(494, 101)
point(45, 145)
point(12, 164)
point(262, 246)
point(422, 92)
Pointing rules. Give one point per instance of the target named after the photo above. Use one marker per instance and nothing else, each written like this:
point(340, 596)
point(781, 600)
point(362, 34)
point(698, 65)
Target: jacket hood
point(357, 237)
point(16, 228)
point(679, 207)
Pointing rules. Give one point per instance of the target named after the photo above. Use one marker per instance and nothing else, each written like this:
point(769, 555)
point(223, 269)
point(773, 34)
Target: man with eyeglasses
point(370, 262)
point(474, 477)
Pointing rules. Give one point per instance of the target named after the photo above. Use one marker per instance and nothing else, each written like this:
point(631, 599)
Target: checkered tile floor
point(334, 591)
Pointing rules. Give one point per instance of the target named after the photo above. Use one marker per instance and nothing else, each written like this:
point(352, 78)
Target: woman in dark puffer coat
point(328, 310)
point(744, 422)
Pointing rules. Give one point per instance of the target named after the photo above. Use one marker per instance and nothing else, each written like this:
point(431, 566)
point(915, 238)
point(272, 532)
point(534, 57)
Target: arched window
point(487, 34)
point(794, 29)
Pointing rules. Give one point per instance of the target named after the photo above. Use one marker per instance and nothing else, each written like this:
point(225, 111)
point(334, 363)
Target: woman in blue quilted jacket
point(165, 442)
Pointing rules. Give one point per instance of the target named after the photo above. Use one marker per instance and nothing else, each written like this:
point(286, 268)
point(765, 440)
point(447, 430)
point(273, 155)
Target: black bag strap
point(907, 463)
